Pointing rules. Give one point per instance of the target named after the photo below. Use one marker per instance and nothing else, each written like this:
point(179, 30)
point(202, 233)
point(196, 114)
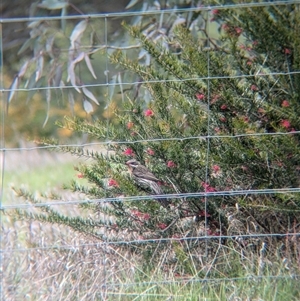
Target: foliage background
point(179, 111)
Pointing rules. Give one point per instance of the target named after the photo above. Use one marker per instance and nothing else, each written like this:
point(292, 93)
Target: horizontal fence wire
point(109, 142)
point(185, 196)
point(155, 81)
point(151, 12)
point(106, 244)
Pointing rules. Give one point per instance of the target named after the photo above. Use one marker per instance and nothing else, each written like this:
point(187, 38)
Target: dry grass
point(48, 262)
point(51, 262)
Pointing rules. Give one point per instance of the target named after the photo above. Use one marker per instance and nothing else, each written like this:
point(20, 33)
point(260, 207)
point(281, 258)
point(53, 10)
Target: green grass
point(41, 178)
point(238, 289)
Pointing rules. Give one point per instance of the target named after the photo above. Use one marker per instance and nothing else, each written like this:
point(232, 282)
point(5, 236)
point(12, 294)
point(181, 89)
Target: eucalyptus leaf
point(28, 44)
point(88, 106)
point(71, 71)
point(53, 4)
point(90, 95)
point(89, 65)
point(13, 88)
point(58, 76)
point(34, 85)
point(48, 98)
point(77, 32)
point(40, 66)
point(23, 68)
point(63, 21)
point(112, 85)
point(132, 3)
point(71, 101)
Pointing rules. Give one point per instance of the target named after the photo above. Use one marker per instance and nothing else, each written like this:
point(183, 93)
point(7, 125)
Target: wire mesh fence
point(53, 248)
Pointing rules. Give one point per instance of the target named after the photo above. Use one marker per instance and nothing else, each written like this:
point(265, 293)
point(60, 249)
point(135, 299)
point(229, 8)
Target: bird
point(146, 179)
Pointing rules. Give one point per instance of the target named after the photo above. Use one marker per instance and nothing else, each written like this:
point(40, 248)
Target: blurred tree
point(29, 46)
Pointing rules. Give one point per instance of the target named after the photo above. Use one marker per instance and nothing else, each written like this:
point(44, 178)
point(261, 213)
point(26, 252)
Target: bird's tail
point(157, 190)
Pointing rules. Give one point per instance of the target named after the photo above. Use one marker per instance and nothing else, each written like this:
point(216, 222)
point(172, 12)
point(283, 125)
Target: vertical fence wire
point(107, 74)
point(208, 134)
point(2, 152)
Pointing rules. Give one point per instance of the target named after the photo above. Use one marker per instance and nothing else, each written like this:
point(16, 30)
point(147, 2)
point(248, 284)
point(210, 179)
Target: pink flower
point(150, 151)
point(162, 226)
point(246, 119)
point(285, 104)
point(113, 183)
point(216, 168)
point(80, 175)
point(200, 96)
point(204, 184)
point(171, 164)
point(212, 233)
point(222, 119)
point(210, 189)
point(215, 11)
point(215, 98)
point(207, 187)
point(114, 226)
point(146, 216)
point(225, 27)
point(254, 88)
point(136, 213)
point(148, 113)
point(130, 125)
point(244, 167)
point(223, 107)
point(285, 123)
point(128, 152)
point(287, 51)
point(238, 30)
point(261, 110)
point(249, 63)
point(217, 130)
point(203, 213)
point(140, 215)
